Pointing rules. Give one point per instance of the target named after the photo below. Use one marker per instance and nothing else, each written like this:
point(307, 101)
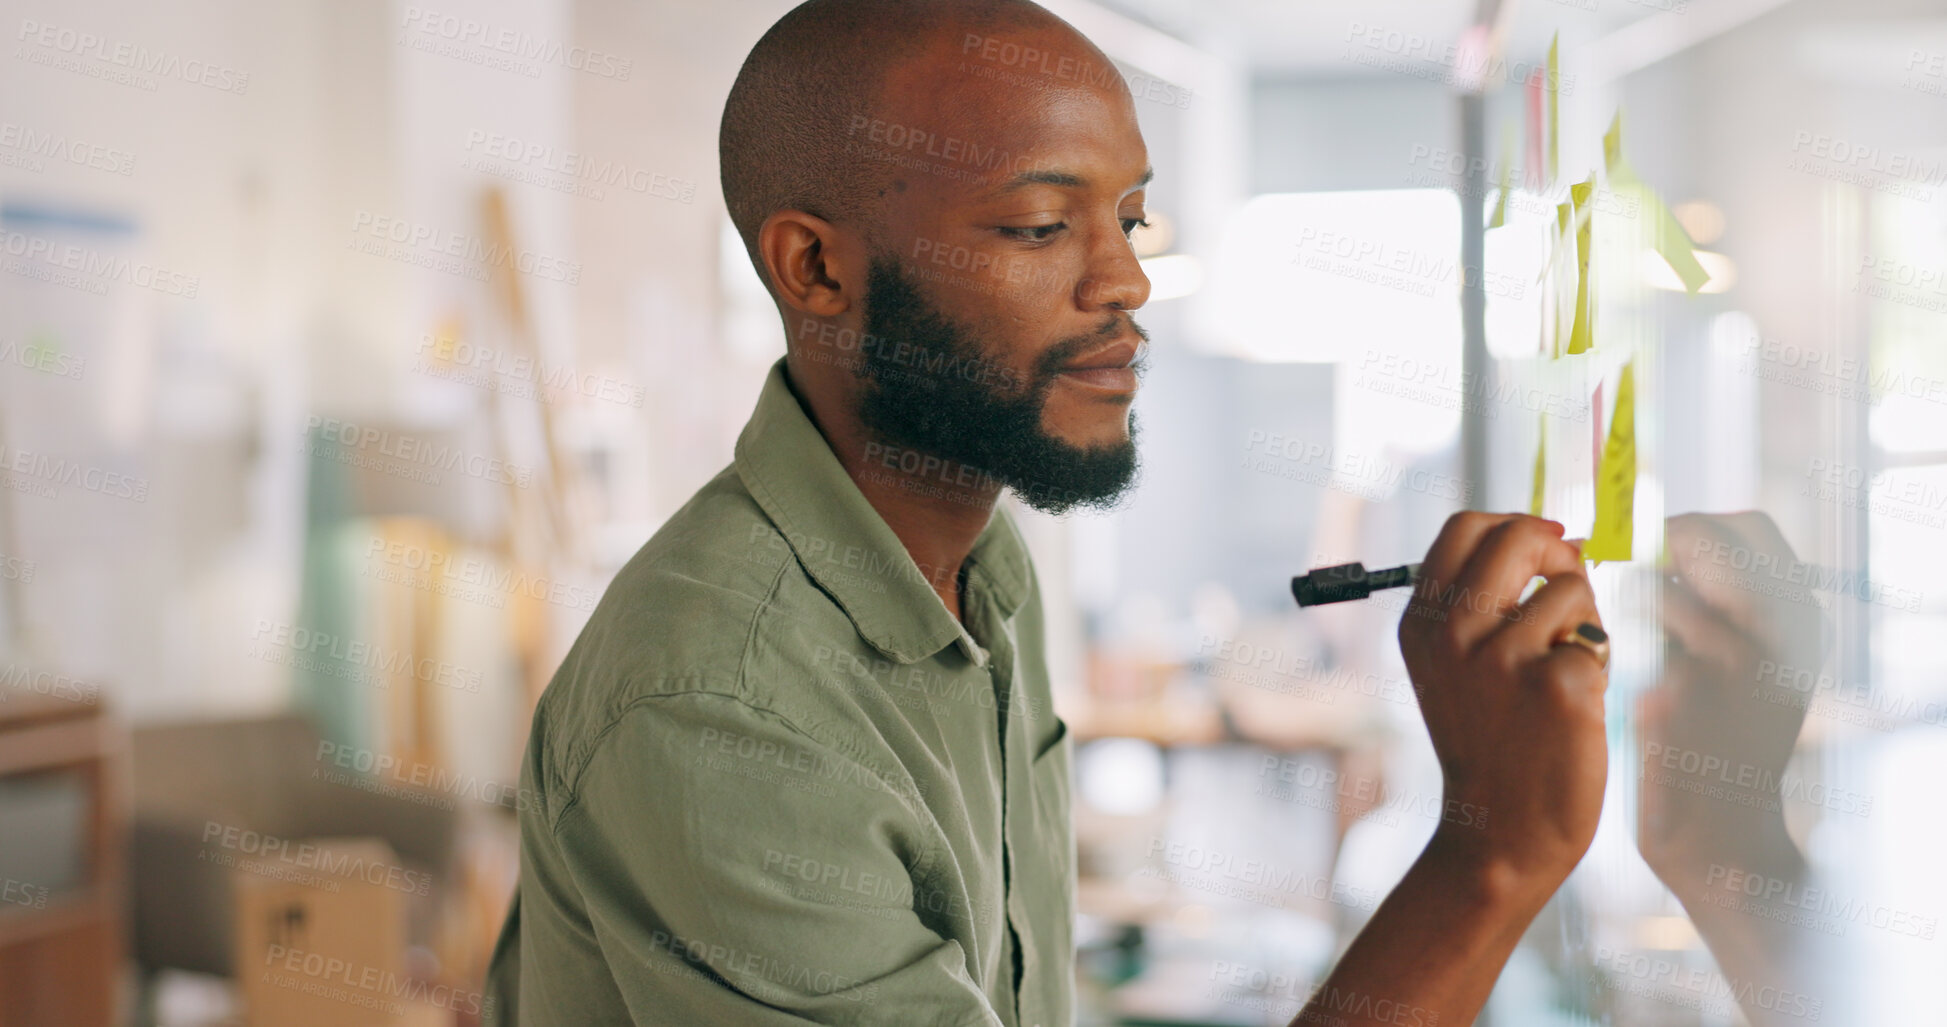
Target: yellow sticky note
point(1673, 243)
point(1579, 337)
point(1615, 484)
point(1507, 170)
point(1612, 144)
point(1561, 289)
point(1554, 103)
point(1541, 469)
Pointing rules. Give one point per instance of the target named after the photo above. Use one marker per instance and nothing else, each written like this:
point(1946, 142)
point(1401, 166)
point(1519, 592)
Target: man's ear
point(807, 260)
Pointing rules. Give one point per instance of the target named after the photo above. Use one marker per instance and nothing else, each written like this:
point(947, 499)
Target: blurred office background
point(348, 349)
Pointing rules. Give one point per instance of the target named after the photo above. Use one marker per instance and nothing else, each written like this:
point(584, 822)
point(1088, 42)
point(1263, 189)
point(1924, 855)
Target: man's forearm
point(1777, 969)
point(1431, 952)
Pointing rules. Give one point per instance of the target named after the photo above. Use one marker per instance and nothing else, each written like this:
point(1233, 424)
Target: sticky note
point(1541, 468)
point(1612, 144)
point(1615, 492)
point(1553, 143)
point(1562, 289)
point(1507, 174)
point(1579, 338)
point(1672, 242)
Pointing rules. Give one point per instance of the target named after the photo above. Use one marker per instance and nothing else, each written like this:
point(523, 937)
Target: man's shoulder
point(717, 583)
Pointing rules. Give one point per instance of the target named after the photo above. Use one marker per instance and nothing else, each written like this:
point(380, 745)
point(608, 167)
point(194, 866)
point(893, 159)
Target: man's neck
point(937, 508)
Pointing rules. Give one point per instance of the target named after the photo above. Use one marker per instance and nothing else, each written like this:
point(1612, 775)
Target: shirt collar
point(843, 543)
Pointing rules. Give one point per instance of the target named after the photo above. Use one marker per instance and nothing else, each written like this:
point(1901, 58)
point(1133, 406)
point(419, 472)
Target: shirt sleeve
point(735, 870)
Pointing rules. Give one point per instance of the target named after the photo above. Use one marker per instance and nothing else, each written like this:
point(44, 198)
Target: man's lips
point(1111, 368)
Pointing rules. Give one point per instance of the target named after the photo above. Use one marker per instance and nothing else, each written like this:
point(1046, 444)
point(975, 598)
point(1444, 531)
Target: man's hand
point(1724, 625)
point(1739, 631)
point(1516, 720)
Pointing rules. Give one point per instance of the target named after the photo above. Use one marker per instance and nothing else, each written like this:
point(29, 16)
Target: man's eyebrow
point(1063, 179)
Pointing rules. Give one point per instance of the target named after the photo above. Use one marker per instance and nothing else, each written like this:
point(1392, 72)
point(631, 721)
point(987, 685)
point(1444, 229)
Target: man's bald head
point(783, 140)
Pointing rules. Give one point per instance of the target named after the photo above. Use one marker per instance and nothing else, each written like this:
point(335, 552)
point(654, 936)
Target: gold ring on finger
point(1590, 636)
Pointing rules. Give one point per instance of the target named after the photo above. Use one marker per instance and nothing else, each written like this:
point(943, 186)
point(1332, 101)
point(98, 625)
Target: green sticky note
point(1541, 469)
point(1673, 243)
point(1580, 335)
point(1507, 172)
point(1554, 106)
point(1612, 145)
point(1615, 480)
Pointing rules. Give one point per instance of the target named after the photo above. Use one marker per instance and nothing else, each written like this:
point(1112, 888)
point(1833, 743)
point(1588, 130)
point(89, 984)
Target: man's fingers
point(1554, 610)
point(1458, 539)
point(1707, 637)
point(1509, 556)
point(1576, 668)
point(1696, 625)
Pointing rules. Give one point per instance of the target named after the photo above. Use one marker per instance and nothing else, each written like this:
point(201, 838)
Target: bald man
point(801, 766)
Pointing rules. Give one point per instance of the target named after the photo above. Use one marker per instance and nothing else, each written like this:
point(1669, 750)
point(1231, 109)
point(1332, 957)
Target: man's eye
point(1033, 233)
point(1131, 224)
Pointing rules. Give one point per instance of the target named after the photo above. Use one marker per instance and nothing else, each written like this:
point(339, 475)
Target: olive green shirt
point(775, 781)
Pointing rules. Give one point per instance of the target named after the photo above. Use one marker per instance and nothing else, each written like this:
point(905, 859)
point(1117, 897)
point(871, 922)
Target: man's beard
point(944, 396)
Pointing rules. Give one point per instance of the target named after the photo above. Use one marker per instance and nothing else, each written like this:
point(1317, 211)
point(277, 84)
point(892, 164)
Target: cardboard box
point(321, 934)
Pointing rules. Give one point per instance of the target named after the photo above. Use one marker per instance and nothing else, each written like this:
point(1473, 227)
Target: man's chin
point(1093, 478)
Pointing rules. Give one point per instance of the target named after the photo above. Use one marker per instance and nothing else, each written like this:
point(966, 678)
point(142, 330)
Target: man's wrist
point(1465, 860)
